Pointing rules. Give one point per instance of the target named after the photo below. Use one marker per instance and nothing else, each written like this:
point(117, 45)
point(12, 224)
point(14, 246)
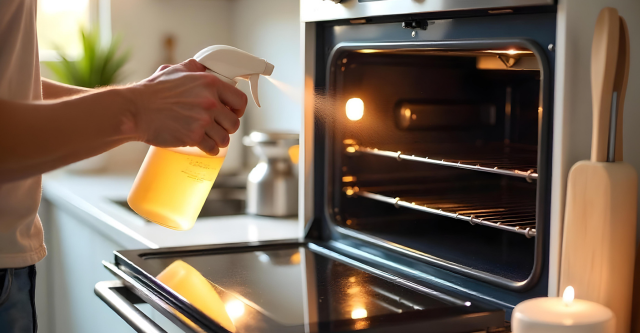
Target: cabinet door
point(66, 277)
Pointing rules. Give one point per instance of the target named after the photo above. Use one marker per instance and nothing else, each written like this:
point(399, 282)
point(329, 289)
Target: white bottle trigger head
point(230, 64)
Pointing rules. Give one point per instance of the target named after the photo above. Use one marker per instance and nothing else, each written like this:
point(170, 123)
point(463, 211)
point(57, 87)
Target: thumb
point(192, 65)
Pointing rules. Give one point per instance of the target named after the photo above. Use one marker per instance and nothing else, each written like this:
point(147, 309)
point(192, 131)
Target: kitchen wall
point(144, 24)
point(271, 30)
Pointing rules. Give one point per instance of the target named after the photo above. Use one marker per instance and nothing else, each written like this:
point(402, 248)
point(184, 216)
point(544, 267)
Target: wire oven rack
point(498, 162)
point(513, 211)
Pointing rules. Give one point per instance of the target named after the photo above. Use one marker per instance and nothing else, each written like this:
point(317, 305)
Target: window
point(60, 21)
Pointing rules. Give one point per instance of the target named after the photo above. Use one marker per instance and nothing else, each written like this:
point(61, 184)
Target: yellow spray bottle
point(173, 183)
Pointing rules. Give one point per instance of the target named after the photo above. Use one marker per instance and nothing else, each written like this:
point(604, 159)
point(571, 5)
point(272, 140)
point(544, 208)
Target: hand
point(181, 105)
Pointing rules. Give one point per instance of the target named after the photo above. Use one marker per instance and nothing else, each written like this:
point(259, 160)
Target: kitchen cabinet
point(65, 299)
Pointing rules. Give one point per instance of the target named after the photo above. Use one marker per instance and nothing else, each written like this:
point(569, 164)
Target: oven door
point(283, 287)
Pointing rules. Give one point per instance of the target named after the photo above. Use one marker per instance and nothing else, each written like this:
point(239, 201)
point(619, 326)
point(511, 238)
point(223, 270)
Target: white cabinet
point(66, 277)
point(65, 300)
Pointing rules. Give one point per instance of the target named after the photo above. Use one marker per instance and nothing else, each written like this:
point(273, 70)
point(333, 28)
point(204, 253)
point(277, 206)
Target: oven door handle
point(119, 299)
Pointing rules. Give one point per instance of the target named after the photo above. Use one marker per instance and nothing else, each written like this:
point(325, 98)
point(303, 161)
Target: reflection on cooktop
point(293, 287)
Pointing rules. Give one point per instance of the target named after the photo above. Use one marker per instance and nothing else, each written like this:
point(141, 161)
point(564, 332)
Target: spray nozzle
point(230, 64)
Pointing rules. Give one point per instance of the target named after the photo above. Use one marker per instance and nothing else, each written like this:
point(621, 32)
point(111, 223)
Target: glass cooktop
point(296, 287)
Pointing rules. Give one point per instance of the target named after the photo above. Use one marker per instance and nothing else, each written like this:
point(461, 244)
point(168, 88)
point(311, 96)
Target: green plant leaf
point(99, 65)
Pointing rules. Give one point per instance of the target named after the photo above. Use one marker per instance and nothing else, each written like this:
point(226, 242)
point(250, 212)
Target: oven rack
point(494, 164)
point(509, 213)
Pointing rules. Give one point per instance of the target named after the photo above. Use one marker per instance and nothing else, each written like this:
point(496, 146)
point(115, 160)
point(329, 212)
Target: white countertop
point(89, 198)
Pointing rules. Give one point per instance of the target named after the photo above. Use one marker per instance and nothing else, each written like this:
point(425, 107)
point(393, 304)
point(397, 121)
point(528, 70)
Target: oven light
point(512, 52)
point(355, 109)
point(358, 313)
point(235, 309)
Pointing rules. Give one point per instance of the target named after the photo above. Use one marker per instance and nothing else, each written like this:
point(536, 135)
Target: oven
point(432, 164)
point(432, 142)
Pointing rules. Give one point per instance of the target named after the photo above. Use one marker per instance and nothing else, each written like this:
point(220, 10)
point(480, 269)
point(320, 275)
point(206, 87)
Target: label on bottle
point(200, 170)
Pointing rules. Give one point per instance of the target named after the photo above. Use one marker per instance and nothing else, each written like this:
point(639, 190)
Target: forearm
point(39, 137)
point(55, 90)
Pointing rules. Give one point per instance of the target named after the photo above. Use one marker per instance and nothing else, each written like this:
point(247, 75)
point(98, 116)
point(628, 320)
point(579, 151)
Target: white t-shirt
point(21, 235)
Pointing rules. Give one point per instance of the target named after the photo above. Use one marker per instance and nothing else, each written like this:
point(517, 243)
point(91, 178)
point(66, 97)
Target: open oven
point(432, 145)
point(425, 181)
point(445, 160)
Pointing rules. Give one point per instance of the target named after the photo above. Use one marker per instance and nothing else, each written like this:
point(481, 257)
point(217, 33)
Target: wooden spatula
point(599, 238)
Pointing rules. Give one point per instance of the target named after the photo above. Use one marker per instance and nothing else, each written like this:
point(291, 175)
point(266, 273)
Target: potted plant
point(100, 65)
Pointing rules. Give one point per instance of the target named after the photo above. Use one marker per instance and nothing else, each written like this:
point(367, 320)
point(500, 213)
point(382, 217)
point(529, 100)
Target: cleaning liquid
point(173, 185)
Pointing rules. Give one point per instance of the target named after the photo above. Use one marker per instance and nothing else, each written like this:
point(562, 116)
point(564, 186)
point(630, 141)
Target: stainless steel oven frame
point(325, 10)
point(534, 30)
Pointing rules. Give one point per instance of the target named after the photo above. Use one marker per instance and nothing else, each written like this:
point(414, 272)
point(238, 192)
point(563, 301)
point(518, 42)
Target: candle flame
point(568, 295)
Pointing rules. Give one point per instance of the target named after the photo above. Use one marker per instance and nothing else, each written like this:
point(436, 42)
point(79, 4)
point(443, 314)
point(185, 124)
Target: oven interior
point(435, 151)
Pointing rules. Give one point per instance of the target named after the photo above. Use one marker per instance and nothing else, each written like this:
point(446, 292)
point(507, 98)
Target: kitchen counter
point(90, 198)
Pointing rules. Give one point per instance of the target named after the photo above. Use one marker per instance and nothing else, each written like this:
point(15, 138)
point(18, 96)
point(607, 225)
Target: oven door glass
point(296, 287)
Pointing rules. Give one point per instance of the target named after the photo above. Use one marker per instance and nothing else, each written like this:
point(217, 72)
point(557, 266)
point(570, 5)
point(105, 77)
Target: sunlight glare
point(55, 6)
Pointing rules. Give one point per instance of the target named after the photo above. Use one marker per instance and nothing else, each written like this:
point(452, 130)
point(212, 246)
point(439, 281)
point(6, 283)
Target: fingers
point(227, 119)
point(232, 97)
point(218, 134)
point(192, 65)
point(209, 146)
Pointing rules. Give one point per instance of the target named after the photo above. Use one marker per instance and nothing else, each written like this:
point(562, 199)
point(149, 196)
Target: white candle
point(561, 315)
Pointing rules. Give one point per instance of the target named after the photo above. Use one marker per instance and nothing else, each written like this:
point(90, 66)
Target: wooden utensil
point(599, 239)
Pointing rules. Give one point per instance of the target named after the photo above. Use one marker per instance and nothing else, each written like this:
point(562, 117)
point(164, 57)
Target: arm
point(54, 90)
point(180, 106)
point(39, 137)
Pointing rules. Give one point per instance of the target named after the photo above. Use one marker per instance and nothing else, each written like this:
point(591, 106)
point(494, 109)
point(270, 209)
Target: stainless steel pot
point(272, 185)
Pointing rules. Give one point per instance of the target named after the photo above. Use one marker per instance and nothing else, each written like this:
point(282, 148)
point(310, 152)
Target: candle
point(562, 315)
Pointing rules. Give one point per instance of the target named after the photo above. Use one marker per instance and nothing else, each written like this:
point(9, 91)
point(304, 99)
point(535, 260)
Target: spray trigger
point(230, 64)
point(253, 84)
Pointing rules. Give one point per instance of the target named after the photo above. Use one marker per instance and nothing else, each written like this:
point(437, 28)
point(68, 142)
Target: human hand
point(181, 105)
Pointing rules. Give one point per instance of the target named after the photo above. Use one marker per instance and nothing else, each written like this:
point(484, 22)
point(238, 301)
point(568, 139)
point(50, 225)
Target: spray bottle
point(173, 183)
